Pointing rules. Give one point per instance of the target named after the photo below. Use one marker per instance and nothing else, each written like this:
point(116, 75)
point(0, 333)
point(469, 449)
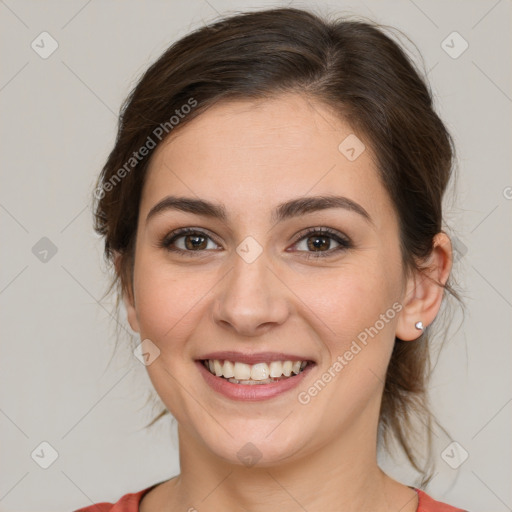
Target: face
point(320, 284)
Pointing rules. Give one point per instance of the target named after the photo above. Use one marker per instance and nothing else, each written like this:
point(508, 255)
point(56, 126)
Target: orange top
point(130, 503)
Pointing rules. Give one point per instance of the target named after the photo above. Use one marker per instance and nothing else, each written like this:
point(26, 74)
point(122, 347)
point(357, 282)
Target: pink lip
point(251, 393)
point(260, 357)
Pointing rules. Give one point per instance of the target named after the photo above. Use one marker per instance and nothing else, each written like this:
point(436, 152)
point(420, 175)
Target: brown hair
point(350, 65)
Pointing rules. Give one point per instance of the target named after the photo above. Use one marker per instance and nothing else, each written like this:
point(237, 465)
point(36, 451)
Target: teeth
point(217, 368)
point(242, 371)
point(276, 369)
point(287, 368)
point(260, 372)
point(228, 370)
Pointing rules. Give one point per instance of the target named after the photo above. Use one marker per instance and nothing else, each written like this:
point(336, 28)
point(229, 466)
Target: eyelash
point(344, 241)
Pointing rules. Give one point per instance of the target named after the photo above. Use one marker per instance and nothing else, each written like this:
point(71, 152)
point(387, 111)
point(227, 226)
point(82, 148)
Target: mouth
point(237, 372)
point(257, 377)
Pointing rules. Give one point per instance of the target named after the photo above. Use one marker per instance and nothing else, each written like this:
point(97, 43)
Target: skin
point(251, 156)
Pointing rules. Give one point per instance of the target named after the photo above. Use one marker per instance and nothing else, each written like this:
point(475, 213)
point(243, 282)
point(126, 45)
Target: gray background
point(58, 121)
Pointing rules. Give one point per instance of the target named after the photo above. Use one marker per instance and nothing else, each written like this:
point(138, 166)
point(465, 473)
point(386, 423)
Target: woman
point(273, 207)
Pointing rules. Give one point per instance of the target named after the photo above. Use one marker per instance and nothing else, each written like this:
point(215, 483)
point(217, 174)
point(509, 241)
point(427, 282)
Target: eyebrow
point(283, 211)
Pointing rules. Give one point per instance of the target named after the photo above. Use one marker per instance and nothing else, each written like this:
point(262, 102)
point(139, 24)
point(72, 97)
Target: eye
point(187, 241)
point(316, 240)
point(193, 242)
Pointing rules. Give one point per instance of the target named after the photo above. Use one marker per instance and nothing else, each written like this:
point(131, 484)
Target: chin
point(262, 448)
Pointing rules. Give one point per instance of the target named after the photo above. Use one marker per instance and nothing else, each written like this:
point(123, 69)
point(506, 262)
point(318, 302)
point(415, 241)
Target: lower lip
point(253, 392)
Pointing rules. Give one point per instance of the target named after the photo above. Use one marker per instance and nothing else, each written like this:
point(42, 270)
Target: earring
point(419, 326)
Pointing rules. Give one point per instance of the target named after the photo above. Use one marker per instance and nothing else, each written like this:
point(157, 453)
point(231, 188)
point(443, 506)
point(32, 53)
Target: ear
point(128, 298)
point(423, 294)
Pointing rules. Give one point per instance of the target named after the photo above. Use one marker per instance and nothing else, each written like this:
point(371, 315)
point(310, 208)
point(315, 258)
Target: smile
point(255, 382)
point(261, 373)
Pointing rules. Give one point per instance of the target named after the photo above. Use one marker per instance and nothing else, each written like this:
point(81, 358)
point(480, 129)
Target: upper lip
point(259, 357)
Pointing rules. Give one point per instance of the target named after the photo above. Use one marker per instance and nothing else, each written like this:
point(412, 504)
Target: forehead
point(260, 153)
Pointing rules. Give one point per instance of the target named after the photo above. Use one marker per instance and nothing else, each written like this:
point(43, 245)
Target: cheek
point(167, 301)
point(351, 301)
point(353, 322)
point(359, 311)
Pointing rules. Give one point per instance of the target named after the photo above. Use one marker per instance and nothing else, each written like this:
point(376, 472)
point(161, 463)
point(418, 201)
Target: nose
point(251, 298)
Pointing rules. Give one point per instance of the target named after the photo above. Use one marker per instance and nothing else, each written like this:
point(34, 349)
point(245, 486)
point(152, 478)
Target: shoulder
point(127, 503)
point(428, 504)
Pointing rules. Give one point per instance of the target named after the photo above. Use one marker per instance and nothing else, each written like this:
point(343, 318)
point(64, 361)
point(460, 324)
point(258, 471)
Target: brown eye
point(188, 241)
point(195, 241)
point(318, 243)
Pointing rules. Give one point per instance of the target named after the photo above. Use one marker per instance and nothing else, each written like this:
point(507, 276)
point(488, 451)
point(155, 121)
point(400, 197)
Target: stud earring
point(419, 326)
